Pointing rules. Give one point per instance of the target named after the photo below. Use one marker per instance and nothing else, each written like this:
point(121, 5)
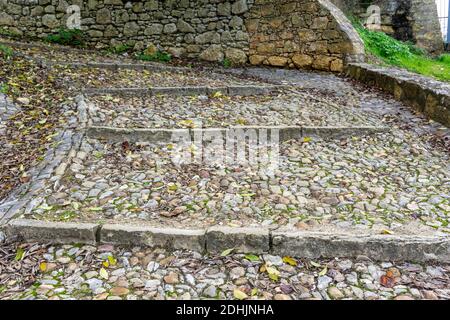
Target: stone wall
point(305, 34)
point(407, 20)
point(295, 33)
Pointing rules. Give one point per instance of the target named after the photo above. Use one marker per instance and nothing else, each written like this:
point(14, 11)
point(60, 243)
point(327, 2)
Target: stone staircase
point(340, 169)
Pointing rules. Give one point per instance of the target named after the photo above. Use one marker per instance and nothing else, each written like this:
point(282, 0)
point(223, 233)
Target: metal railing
point(443, 7)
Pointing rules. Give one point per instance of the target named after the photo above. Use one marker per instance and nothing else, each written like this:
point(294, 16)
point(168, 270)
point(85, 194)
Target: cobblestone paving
point(113, 273)
point(7, 109)
point(126, 78)
point(381, 180)
point(62, 54)
point(379, 183)
point(289, 109)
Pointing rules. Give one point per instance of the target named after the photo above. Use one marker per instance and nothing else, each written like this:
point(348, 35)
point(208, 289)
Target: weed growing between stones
point(5, 52)
point(70, 37)
point(159, 56)
point(120, 49)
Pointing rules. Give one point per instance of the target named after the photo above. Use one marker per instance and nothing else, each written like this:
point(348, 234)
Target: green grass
point(69, 37)
point(119, 49)
point(158, 56)
point(9, 33)
point(404, 55)
point(5, 52)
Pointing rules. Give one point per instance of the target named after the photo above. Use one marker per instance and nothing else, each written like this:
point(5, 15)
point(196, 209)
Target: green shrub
point(158, 56)
point(70, 37)
point(119, 49)
point(4, 88)
point(5, 52)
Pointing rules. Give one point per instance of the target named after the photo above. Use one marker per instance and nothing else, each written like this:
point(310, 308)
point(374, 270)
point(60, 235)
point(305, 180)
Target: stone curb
point(376, 247)
point(168, 135)
point(429, 96)
point(216, 239)
point(153, 237)
point(246, 240)
point(54, 232)
point(186, 91)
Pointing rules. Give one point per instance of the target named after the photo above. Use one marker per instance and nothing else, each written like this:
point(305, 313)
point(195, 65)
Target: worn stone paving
point(382, 183)
point(290, 108)
point(375, 182)
point(31, 271)
point(62, 54)
point(7, 110)
point(87, 77)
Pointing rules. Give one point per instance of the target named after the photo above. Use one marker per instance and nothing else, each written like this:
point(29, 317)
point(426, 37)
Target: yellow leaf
point(290, 261)
point(104, 274)
point(315, 264)
point(273, 273)
point(386, 231)
point(273, 277)
point(172, 187)
point(106, 264)
point(112, 261)
point(323, 272)
point(218, 94)
point(254, 291)
point(43, 266)
point(238, 294)
point(307, 139)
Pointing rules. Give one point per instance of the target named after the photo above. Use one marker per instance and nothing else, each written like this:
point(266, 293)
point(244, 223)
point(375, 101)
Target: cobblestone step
point(369, 182)
point(282, 133)
point(287, 108)
point(217, 239)
point(232, 90)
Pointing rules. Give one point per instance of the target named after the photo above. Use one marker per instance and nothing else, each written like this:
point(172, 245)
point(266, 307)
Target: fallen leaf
point(104, 274)
point(273, 273)
point(19, 254)
point(252, 257)
point(323, 272)
point(112, 260)
point(238, 294)
point(43, 266)
point(315, 264)
point(226, 252)
point(387, 282)
point(290, 261)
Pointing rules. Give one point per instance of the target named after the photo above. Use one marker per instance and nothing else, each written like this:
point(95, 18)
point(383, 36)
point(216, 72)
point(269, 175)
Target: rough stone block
point(52, 232)
point(167, 238)
point(245, 240)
